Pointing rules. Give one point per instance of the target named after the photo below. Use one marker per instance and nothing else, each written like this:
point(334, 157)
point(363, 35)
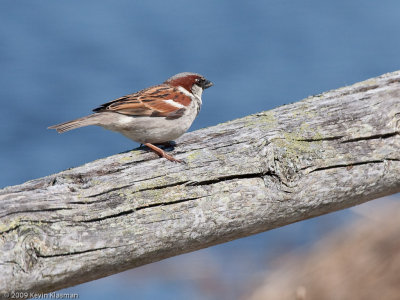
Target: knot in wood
point(30, 241)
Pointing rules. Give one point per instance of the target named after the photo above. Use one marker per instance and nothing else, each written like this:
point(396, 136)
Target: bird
point(155, 115)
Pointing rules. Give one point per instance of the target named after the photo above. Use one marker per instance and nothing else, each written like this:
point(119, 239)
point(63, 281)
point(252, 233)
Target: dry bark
point(249, 175)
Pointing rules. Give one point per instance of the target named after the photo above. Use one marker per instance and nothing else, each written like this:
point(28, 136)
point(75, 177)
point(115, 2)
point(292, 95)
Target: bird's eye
point(199, 81)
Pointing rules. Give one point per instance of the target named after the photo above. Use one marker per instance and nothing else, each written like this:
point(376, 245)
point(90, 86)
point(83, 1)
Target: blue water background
point(60, 59)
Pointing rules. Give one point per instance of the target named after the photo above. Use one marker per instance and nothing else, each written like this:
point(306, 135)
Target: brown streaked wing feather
point(149, 102)
point(132, 107)
point(162, 108)
point(132, 98)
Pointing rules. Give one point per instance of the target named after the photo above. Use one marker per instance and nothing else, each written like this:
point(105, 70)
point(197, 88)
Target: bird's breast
point(148, 129)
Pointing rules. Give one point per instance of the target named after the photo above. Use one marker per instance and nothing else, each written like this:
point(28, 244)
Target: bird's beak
point(207, 84)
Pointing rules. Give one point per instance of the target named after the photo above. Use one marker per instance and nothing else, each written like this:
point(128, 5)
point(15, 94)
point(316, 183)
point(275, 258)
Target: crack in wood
point(371, 137)
point(38, 254)
point(330, 138)
point(226, 178)
point(27, 222)
point(139, 190)
point(36, 210)
point(228, 145)
point(360, 90)
point(346, 165)
point(133, 210)
point(394, 80)
point(123, 186)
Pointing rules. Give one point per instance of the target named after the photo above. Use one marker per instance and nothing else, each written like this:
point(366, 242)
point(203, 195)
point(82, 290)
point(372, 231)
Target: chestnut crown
point(187, 80)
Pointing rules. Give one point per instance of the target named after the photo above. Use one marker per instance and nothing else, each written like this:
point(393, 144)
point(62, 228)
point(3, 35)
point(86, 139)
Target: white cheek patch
point(174, 103)
point(197, 91)
point(181, 89)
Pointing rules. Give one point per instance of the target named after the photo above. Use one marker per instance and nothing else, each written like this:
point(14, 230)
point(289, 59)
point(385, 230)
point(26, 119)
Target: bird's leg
point(162, 153)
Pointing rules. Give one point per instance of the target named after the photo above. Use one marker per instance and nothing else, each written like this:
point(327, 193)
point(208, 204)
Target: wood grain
point(249, 175)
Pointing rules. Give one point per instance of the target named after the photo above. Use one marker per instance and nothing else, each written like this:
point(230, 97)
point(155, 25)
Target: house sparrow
point(155, 115)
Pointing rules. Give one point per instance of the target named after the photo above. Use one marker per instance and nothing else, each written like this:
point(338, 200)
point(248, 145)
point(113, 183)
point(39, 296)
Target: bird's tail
point(81, 122)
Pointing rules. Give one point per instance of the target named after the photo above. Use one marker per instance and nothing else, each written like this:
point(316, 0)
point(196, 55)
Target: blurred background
point(60, 59)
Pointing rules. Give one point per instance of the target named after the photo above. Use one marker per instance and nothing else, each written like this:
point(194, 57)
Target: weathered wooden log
point(249, 175)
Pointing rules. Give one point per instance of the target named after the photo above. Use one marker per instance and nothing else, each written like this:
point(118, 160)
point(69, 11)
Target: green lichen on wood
point(14, 223)
point(264, 120)
point(300, 143)
point(192, 156)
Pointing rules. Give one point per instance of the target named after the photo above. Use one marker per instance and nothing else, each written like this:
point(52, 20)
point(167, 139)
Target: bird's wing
point(157, 101)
